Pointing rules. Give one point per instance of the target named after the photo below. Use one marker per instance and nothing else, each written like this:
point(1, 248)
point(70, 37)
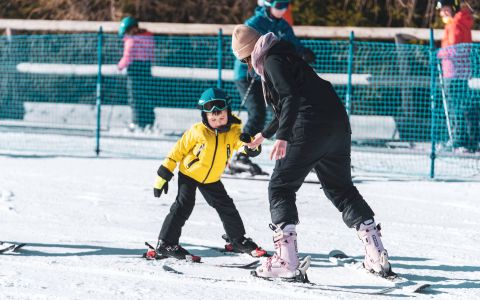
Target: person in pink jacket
point(138, 54)
point(454, 54)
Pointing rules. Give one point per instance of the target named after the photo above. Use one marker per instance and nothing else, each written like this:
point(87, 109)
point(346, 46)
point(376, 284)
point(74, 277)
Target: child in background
point(202, 154)
point(138, 53)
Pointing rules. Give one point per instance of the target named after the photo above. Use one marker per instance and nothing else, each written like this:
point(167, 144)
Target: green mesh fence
point(413, 111)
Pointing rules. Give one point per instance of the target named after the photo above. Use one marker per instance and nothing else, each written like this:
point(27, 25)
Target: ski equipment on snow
point(243, 245)
point(341, 259)
point(9, 247)
point(165, 251)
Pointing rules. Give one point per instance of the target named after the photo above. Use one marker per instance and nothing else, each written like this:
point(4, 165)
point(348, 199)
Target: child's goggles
point(280, 4)
point(213, 105)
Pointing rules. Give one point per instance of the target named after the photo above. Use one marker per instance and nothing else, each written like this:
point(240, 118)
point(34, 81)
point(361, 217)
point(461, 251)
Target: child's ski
point(152, 254)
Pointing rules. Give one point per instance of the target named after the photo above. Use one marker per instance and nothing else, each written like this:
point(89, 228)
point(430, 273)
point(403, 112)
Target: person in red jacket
point(138, 53)
point(455, 58)
point(288, 16)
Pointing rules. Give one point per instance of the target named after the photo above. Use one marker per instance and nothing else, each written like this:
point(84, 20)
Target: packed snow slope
point(85, 221)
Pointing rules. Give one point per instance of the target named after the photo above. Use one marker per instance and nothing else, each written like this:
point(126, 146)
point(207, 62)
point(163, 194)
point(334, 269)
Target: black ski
point(400, 283)
point(8, 247)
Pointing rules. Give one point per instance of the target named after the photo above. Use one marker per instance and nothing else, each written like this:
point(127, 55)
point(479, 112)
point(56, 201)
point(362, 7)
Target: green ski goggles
point(213, 105)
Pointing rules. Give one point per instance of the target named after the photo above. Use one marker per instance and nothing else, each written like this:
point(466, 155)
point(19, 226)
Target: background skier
point(267, 18)
point(455, 55)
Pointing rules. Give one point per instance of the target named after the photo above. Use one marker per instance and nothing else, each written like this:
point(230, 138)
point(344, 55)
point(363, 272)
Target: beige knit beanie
point(243, 40)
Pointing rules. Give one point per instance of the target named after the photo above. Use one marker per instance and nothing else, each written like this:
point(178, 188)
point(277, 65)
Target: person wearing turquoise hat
point(138, 54)
point(202, 154)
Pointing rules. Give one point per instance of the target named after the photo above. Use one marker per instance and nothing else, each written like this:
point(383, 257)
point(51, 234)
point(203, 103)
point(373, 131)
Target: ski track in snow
point(85, 227)
point(6, 200)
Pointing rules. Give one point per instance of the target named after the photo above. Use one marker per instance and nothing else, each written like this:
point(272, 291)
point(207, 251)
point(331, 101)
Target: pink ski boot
point(284, 263)
point(376, 257)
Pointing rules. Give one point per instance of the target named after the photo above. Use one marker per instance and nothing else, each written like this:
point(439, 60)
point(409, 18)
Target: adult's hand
point(257, 141)
point(279, 150)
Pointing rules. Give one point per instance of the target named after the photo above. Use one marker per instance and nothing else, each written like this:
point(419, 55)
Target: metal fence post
point(99, 89)
point(348, 97)
point(220, 58)
point(433, 81)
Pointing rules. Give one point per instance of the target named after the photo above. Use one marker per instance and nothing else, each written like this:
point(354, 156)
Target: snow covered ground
point(85, 221)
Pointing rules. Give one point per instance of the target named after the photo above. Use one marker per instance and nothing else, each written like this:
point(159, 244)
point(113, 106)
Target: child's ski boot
point(243, 245)
point(165, 250)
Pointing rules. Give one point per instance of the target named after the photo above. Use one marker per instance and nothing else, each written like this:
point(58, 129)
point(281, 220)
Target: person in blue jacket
point(267, 18)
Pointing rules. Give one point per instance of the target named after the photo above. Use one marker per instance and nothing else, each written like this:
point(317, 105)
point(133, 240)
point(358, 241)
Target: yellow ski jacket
point(203, 153)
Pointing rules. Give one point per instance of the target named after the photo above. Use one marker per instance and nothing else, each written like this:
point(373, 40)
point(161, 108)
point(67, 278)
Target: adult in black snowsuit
point(312, 131)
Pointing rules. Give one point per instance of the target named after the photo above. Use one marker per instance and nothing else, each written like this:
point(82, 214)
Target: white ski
point(341, 259)
point(288, 284)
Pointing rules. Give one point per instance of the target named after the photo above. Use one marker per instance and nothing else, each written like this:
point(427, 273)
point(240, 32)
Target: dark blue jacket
point(264, 23)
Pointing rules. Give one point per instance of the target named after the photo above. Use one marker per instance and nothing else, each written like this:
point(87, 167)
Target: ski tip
point(305, 263)
point(417, 288)
point(149, 245)
point(337, 254)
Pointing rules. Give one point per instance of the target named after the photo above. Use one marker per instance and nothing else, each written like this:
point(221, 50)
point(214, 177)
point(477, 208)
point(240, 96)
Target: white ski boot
point(376, 257)
point(284, 263)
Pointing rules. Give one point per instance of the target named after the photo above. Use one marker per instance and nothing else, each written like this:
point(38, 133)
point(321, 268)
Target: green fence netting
point(413, 110)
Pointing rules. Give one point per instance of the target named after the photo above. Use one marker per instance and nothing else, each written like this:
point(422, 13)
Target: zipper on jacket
point(228, 153)
point(200, 150)
point(214, 154)
point(192, 162)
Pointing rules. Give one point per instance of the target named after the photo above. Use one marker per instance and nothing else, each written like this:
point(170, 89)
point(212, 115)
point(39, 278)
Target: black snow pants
point(215, 195)
point(325, 148)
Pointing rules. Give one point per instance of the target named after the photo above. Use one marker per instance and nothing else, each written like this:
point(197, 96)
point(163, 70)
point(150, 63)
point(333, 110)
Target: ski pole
point(109, 119)
point(444, 100)
point(245, 96)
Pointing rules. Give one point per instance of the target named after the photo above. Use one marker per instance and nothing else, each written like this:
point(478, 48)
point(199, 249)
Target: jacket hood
point(260, 51)
point(464, 18)
point(282, 47)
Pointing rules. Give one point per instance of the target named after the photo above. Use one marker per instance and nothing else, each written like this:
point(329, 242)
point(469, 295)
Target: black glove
point(161, 183)
point(308, 55)
point(246, 138)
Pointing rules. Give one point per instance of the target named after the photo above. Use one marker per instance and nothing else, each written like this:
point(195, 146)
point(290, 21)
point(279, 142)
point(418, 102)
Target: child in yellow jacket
point(203, 153)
